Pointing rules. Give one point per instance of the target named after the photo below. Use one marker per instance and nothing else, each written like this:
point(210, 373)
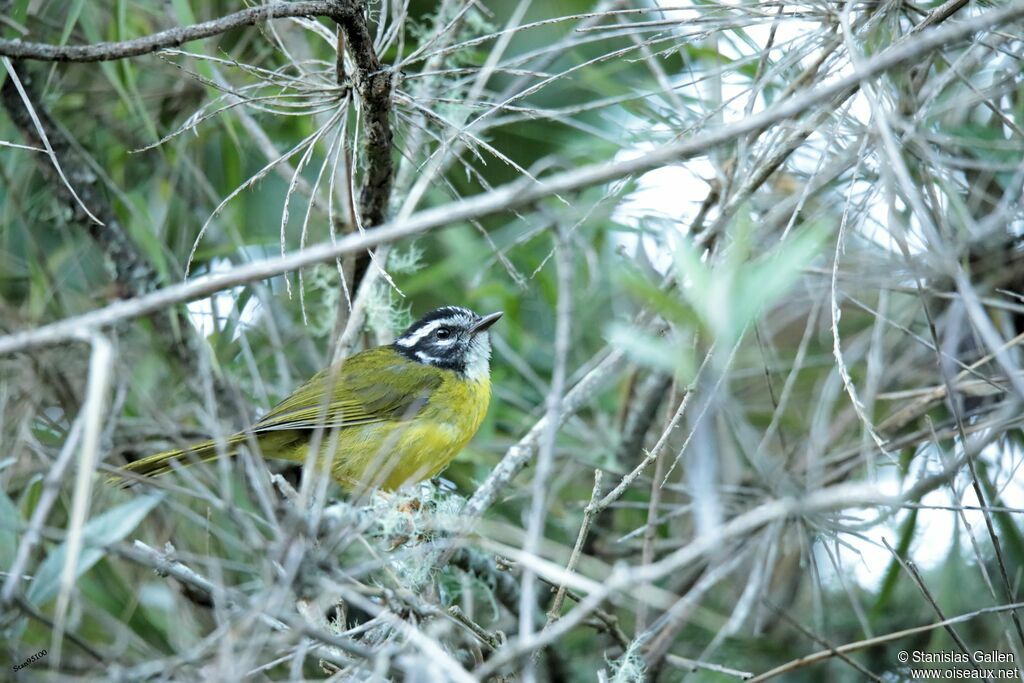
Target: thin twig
point(816, 657)
point(588, 517)
point(552, 418)
point(101, 362)
point(911, 569)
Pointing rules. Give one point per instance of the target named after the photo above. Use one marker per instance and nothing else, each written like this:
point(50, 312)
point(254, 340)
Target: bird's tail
point(161, 463)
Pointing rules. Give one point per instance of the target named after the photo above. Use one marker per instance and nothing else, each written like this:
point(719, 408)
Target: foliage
point(792, 359)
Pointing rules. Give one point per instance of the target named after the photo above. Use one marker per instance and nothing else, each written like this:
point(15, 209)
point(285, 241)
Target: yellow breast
point(390, 454)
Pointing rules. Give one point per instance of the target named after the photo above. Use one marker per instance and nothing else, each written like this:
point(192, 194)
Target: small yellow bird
point(395, 415)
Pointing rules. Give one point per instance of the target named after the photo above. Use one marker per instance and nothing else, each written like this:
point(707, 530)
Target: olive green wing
point(377, 385)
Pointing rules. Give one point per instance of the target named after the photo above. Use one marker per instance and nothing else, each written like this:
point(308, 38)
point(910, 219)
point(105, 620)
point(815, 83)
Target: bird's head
point(450, 337)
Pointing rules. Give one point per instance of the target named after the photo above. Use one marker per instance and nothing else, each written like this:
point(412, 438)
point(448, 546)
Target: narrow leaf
point(110, 527)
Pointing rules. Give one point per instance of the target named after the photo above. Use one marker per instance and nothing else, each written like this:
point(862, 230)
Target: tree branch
point(373, 83)
point(512, 195)
point(371, 80)
point(175, 37)
point(90, 211)
point(134, 275)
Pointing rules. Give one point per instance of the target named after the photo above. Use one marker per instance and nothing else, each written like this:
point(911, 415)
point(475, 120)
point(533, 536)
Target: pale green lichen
point(322, 284)
point(630, 667)
point(409, 518)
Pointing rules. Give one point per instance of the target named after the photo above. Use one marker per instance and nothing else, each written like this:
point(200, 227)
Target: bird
point(383, 418)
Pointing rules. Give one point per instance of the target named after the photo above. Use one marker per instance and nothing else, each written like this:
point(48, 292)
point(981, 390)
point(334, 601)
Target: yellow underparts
point(390, 454)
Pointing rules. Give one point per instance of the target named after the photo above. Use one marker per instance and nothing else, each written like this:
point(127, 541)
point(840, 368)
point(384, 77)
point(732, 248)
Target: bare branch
point(174, 37)
point(373, 83)
point(880, 640)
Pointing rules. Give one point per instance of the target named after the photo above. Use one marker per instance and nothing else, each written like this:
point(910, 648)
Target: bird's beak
point(485, 322)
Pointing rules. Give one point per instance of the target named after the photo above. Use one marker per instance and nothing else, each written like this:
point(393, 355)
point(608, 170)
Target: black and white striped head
point(450, 337)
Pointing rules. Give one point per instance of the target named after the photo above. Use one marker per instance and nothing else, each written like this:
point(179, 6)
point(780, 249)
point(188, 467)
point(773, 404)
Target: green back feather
point(376, 385)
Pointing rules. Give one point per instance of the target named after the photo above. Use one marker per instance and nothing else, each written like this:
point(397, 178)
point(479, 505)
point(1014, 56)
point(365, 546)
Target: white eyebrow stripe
point(415, 337)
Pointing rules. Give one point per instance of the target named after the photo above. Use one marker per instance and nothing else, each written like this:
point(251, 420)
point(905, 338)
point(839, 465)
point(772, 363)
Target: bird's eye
point(443, 333)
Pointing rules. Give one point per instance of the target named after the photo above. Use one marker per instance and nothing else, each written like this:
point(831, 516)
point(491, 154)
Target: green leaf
point(10, 522)
point(17, 13)
point(730, 294)
point(30, 495)
point(69, 22)
point(691, 269)
point(764, 284)
point(110, 527)
point(651, 351)
point(105, 588)
point(183, 13)
point(893, 571)
point(1010, 536)
point(665, 303)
